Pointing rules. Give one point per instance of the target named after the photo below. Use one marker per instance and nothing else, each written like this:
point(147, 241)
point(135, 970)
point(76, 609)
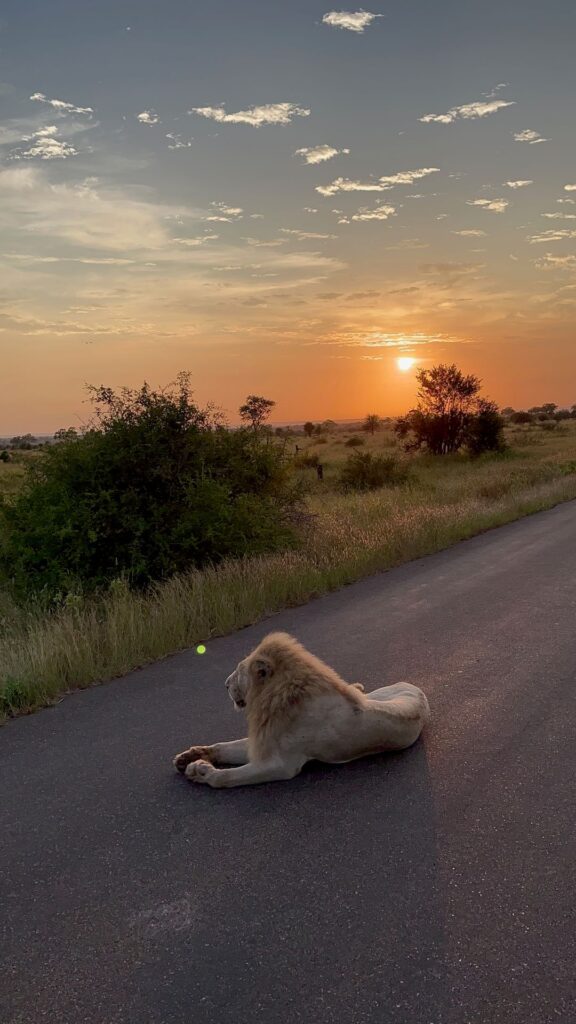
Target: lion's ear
point(261, 668)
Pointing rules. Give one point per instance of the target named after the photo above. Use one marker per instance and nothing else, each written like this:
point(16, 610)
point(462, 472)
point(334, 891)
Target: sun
point(405, 363)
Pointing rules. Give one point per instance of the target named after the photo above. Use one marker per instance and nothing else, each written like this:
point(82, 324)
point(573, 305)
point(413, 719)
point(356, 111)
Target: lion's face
point(237, 685)
point(251, 671)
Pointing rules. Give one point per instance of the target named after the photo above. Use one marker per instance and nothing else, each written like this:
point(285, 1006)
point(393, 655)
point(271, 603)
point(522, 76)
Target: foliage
point(155, 486)
point(354, 442)
point(308, 428)
point(23, 442)
point(256, 410)
point(521, 417)
point(307, 460)
point(451, 415)
point(364, 471)
point(372, 423)
point(4, 456)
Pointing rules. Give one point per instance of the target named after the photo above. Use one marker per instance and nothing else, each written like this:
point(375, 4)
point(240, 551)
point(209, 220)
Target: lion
point(300, 710)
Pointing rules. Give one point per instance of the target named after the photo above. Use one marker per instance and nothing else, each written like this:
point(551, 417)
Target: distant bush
point(155, 486)
point(354, 442)
point(364, 471)
point(321, 440)
point(4, 456)
point(522, 417)
point(548, 425)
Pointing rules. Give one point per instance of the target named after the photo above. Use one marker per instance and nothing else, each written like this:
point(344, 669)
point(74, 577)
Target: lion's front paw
point(181, 761)
point(358, 686)
point(201, 771)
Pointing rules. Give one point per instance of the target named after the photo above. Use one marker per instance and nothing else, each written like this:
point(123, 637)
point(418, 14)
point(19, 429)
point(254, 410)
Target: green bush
point(354, 442)
point(154, 487)
point(364, 471)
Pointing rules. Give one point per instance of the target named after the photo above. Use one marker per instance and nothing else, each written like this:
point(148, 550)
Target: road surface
point(434, 886)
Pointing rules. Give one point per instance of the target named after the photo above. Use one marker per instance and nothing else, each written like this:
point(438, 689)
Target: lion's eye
point(261, 673)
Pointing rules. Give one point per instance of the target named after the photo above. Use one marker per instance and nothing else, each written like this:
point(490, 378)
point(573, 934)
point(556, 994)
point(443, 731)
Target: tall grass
point(352, 536)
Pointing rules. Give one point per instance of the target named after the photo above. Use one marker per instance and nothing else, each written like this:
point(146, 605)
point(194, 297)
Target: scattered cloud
point(559, 216)
point(529, 136)
point(571, 202)
point(269, 113)
point(194, 242)
point(148, 117)
point(45, 146)
point(495, 205)
point(364, 213)
point(518, 184)
point(354, 21)
point(551, 262)
point(304, 236)
point(570, 188)
point(224, 213)
point(552, 236)
point(176, 141)
point(312, 209)
point(467, 112)
point(381, 185)
point(470, 233)
point(62, 106)
point(319, 154)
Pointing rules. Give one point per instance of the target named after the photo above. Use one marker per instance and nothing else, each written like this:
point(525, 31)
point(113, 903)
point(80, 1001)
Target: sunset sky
point(284, 197)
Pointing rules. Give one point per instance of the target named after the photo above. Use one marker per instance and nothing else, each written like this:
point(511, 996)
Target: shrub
point(364, 471)
point(154, 487)
point(321, 440)
point(307, 460)
point(354, 442)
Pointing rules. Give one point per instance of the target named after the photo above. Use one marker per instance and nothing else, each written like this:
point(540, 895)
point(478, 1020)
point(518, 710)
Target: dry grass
point(353, 535)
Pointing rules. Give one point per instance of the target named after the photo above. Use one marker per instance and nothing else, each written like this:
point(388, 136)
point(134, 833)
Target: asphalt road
point(435, 886)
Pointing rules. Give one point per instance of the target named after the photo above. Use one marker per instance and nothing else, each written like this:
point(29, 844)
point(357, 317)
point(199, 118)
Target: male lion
point(300, 710)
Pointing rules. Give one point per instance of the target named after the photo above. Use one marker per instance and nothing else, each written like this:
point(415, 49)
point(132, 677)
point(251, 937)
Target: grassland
point(349, 537)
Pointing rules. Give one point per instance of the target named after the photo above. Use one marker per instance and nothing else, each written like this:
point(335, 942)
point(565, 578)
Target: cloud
point(570, 188)
point(378, 213)
point(571, 202)
point(518, 184)
point(269, 113)
point(552, 236)
point(177, 142)
point(193, 242)
point(529, 136)
point(61, 105)
point(224, 213)
point(467, 112)
point(319, 154)
point(354, 21)
point(551, 262)
point(304, 236)
point(382, 185)
point(559, 216)
point(46, 146)
point(312, 209)
point(148, 117)
point(495, 205)
point(470, 233)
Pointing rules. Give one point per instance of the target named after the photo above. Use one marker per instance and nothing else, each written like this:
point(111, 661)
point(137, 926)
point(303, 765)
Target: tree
point(446, 418)
point(155, 486)
point(522, 417)
point(308, 428)
point(23, 441)
point(66, 434)
point(372, 423)
point(256, 410)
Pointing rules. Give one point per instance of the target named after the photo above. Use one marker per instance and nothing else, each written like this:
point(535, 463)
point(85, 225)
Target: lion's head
point(251, 670)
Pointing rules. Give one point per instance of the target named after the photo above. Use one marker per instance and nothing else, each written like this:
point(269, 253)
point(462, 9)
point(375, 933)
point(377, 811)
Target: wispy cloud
point(495, 205)
point(354, 21)
point(148, 117)
point(559, 216)
point(304, 236)
point(46, 146)
point(224, 213)
point(470, 233)
point(518, 184)
point(61, 105)
point(381, 185)
point(529, 136)
point(176, 141)
point(195, 242)
point(552, 236)
point(269, 113)
point(364, 213)
point(468, 112)
point(551, 262)
point(319, 154)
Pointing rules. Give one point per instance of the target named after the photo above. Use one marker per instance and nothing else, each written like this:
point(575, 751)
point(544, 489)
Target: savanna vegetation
point(158, 527)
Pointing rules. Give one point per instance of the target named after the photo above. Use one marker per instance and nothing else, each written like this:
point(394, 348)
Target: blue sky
point(265, 191)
